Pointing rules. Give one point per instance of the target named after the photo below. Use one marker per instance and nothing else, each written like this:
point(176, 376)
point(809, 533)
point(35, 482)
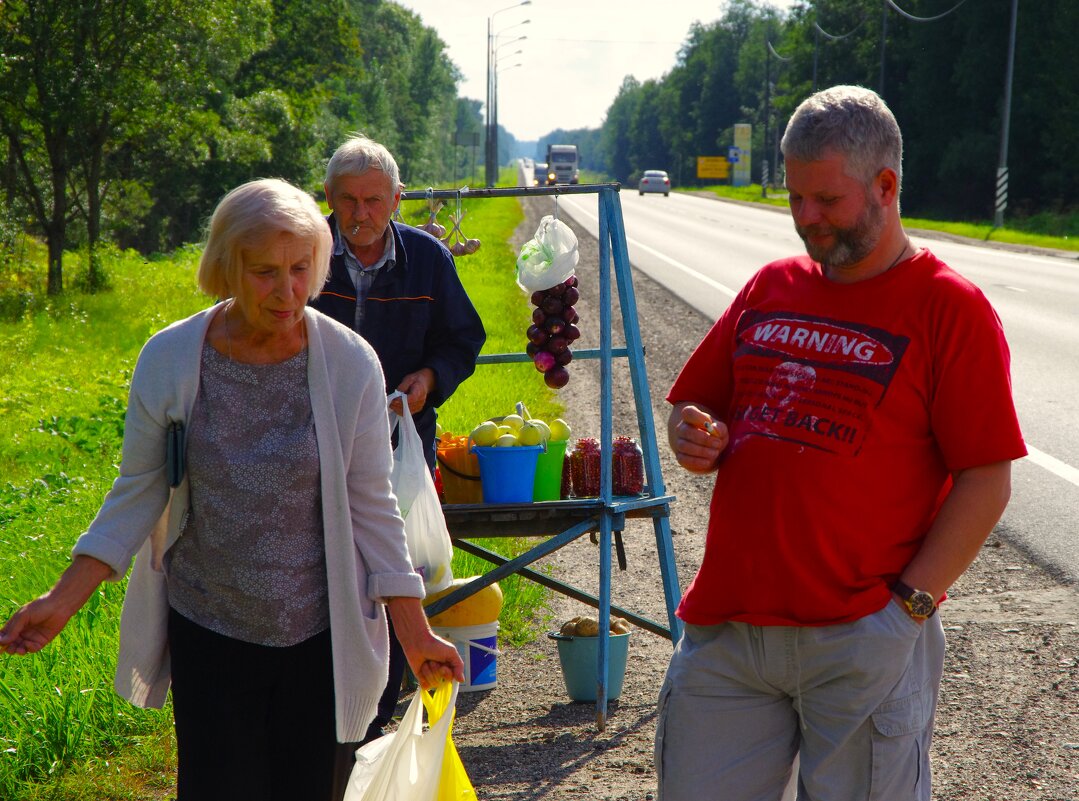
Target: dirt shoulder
point(1008, 721)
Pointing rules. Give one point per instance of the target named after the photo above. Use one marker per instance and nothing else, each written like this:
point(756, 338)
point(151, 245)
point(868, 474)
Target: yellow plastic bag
point(412, 764)
point(453, 783)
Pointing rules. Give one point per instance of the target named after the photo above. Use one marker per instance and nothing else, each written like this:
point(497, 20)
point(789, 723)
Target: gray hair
point(357, 155)
point(249, 216)
point(851, 121)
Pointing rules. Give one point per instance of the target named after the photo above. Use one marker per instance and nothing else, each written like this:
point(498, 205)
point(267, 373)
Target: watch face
point(921, 604)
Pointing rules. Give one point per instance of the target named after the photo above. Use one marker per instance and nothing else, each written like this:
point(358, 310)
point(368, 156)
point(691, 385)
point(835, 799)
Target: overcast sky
point(575, 56)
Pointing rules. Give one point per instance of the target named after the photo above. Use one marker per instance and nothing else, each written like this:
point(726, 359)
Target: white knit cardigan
point(366, 557)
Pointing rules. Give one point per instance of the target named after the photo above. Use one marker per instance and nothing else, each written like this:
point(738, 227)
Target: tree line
point(127, 120)
point(124, 121)
point(943, 74)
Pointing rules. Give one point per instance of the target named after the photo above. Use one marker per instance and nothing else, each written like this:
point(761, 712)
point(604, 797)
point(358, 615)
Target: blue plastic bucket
point(507, 474)
point(478, 647)
point(580, 662)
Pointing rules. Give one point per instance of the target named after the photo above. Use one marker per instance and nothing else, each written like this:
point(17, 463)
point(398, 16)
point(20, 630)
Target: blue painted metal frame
point(609, 513)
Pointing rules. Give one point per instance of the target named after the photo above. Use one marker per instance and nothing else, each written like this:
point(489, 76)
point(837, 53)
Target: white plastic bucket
point(478, 647)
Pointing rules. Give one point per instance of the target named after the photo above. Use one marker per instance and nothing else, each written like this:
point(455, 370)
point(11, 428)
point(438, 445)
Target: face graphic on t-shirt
point(810, 380)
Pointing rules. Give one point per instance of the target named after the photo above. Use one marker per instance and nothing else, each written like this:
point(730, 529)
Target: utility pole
point(883, 39)
point(1006, 113)
point(767, 114)
point(490, 145)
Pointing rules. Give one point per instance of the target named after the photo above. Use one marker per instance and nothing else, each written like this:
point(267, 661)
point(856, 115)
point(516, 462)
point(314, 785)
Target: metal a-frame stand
point(606, 514)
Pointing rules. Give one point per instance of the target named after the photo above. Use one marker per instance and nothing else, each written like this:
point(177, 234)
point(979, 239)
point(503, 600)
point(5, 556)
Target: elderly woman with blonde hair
point(266, 556)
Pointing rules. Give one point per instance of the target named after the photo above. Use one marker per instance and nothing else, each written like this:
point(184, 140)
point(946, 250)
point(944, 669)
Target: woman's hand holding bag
point(425, 526)
point(412, 764)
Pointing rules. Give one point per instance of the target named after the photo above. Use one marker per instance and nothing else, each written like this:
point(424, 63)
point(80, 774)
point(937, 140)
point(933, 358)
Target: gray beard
point(851, 244)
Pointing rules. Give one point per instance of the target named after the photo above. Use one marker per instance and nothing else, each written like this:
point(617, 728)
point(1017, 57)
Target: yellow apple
point(531, 434)
point(506, 441)
point(484, 434)
point(546, 428)
point(560, 430)
point(514, 421)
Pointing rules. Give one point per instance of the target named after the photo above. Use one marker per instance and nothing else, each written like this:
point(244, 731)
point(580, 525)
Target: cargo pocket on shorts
point(900, 743)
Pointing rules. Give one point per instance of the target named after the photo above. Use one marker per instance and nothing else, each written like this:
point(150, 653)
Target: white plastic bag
point(425, 526)
point(407, 765)
point(549, 257)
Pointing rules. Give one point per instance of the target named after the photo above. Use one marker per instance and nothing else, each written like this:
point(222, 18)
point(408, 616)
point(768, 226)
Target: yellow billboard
point(713, 167)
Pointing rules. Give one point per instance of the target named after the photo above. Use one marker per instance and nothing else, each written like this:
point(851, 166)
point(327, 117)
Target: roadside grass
point(1056, 230)
point(65, 364)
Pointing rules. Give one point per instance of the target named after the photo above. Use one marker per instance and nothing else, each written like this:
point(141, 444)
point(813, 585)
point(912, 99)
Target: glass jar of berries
point(627, 463)
point(584, 468)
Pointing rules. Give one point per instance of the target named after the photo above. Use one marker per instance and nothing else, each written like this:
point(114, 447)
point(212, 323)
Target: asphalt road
point(704, 250)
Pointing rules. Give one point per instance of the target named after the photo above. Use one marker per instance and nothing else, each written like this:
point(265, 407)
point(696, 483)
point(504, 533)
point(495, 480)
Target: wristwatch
point(920, 604)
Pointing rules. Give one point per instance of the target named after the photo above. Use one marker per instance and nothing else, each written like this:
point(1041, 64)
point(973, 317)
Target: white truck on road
point(563, 164)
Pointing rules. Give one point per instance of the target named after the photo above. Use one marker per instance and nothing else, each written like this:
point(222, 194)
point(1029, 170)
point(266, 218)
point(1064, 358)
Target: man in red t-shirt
point(855, 405)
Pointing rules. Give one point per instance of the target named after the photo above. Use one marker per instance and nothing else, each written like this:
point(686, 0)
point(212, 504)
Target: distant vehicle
point(539, 171)
point(655, 181)
point(562, 164)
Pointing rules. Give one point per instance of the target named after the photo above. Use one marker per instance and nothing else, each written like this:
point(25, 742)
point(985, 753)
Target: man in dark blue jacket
point(397, 286)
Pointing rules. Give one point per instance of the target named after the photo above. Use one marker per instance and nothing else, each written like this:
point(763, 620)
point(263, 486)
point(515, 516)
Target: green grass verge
point(65, 364)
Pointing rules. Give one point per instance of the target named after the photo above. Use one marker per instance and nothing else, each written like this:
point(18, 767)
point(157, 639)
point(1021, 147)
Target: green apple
point(484, 434)
point(506, 441)
point(514, 421)
point(560, 430)
point(546, 428)
point(531, 434)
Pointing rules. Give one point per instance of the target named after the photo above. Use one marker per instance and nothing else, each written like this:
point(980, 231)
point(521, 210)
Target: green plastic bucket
point(507, 474)
point(579, 657)
point(548, 484)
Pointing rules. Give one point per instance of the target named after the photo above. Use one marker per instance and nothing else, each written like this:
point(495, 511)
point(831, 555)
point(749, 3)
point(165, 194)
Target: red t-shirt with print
point(849, 406)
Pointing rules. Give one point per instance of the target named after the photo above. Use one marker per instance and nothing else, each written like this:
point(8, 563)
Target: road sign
point(713, 167)
point(743, 141)
point(733, 154)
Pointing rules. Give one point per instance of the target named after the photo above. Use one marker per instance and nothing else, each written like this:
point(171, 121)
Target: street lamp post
point(490, 145)
point(494, 110)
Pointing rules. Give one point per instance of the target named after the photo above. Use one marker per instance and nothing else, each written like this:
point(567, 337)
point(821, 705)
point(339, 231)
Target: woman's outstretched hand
point(37, 624)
